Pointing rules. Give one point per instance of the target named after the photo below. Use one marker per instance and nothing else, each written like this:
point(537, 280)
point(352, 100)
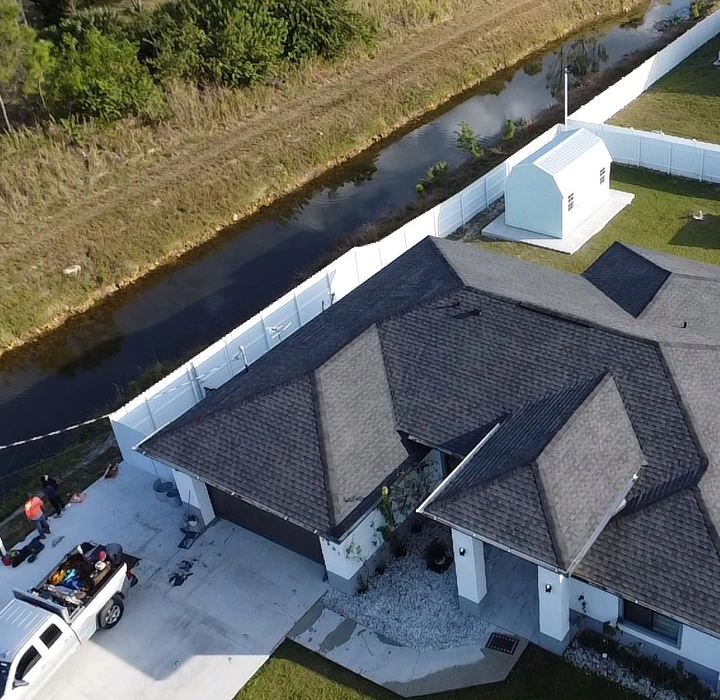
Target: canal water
point(75, 372)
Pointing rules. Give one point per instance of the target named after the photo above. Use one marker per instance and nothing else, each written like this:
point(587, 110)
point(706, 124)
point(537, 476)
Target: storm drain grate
point(502, 642)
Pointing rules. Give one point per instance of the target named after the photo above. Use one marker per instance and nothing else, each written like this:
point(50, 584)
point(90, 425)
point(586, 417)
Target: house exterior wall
point(348, 561)
point(554, 601)
point(195, 494)
point(533, 201)
point(470, 570)
point(599, 605)
point(700, 652)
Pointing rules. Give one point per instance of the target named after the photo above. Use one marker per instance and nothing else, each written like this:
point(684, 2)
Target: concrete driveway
point(204, 638)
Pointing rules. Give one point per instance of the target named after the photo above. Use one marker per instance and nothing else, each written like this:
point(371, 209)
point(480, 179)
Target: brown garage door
point(265, 524)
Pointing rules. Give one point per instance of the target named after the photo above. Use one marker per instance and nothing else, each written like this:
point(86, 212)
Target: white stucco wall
point(555, 604)
point(196, 494)
point(346, 558)
point(694, 646)
point(599, 605)
point(469, 567)
point(602, 606)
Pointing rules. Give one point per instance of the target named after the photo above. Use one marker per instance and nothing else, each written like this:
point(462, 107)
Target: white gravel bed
point(592, 660)
point(410, 604)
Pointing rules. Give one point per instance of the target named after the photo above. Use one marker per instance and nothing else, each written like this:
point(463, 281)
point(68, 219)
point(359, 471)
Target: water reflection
point(583, 58)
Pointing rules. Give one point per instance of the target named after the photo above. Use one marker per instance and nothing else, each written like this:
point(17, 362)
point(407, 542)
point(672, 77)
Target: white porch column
point(554, 600)
point(469, 555)
point(194, 493)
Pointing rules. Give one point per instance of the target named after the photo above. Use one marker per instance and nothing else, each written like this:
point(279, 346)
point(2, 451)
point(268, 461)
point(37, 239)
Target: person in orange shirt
point(34, 513)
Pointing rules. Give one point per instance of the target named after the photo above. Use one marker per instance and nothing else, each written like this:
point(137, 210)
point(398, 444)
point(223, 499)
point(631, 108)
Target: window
point(602, 175)
point(50, 635)
point(571, 201)
point(660, 624)
point(28, 660)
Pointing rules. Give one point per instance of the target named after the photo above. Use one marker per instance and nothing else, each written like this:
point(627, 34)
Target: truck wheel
point(111, 614)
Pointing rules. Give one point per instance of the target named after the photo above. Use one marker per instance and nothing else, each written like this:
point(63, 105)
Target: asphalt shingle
point(626, 277)
point(450, 340)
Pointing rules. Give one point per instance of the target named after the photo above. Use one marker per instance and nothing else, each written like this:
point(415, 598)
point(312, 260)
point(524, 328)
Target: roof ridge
point(322, 448)
point(544, 505)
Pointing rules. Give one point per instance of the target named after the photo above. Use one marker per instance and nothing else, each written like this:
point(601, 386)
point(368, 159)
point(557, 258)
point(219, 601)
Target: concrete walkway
point(403, 670)
point(202, 639)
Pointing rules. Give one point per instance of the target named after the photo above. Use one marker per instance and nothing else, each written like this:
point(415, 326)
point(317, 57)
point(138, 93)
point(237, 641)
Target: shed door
point(265, 524)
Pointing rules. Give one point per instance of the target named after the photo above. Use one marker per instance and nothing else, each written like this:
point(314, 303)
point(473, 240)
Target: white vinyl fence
point(671, 155)
point(622, 93)
point(183, 388)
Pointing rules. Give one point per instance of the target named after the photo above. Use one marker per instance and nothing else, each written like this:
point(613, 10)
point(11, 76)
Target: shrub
point(324, 28)
point(661, 674)
point(99, 76)
point(468, 141)
point(435, 551)
point(509, 133)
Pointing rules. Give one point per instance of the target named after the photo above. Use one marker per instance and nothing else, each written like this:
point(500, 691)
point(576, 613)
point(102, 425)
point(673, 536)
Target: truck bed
point(75, 581)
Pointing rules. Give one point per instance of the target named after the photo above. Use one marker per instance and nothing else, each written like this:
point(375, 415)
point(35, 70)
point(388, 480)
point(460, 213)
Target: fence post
point(462, 212)
point(702, 165)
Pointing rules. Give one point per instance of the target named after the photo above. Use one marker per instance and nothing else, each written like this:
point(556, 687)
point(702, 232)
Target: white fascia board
point(443, 484)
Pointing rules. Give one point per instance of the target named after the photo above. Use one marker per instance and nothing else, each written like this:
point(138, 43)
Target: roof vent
point(468, 313)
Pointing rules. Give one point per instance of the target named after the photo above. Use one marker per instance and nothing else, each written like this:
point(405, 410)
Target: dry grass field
point(123, 200)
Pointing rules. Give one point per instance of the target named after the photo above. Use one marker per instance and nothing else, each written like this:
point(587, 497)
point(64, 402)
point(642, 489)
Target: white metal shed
point(556, 188)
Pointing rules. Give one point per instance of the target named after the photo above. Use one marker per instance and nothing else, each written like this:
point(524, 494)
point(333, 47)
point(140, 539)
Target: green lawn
point(659, 217)
point(294, 673)
point(686, 102)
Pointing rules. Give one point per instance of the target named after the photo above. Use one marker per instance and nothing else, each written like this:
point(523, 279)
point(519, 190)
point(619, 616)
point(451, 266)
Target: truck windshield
point(4, 671)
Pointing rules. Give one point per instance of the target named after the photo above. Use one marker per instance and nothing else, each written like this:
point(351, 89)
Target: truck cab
point(35, 641)
point(41, 627)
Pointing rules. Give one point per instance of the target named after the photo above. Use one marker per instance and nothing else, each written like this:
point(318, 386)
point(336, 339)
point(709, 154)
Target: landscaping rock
point(410, 604)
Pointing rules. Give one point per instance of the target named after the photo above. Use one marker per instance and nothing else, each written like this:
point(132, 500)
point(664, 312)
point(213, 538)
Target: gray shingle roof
point(447, 342)
point(626, 277)
point(586, 471)
point(359, 436)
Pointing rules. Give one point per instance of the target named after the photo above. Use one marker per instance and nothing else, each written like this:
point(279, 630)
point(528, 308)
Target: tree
point(324, 28)
point(224, 42)
point(95, 75)
point(24, 58)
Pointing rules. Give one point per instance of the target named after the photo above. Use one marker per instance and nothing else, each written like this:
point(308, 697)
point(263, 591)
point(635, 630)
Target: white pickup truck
point(40, 628)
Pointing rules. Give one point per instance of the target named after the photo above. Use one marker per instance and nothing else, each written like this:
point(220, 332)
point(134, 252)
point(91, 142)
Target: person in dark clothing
point(51, 490)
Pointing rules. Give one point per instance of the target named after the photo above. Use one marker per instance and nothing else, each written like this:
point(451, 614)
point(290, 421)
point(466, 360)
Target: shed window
point(571, 201)
point(602, 175)
point(661, 625)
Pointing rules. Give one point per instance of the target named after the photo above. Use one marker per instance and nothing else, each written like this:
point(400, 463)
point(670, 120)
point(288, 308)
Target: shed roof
point(563, 154)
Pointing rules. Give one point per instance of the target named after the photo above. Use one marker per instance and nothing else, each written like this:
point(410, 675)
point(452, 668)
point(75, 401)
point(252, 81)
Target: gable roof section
point(664, 290)
point(626, 277)
point(265, 450)
point(360, 439)
point(575, 453)
point(564, 150)
point(260, 435)
point(587, 470)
